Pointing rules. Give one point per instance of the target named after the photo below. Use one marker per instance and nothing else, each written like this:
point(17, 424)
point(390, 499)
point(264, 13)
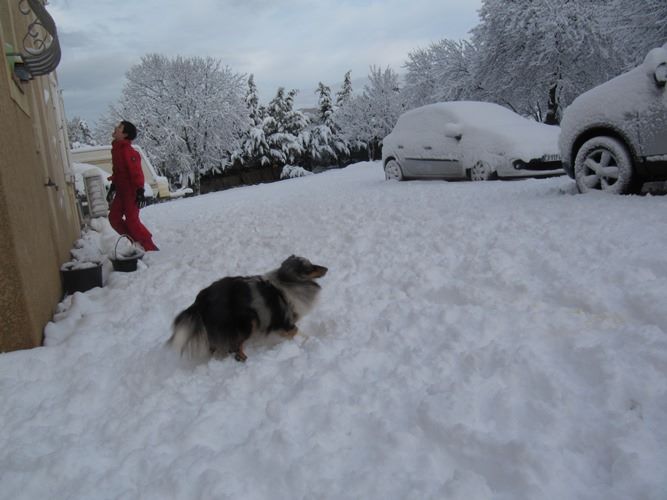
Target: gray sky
point(289, 43)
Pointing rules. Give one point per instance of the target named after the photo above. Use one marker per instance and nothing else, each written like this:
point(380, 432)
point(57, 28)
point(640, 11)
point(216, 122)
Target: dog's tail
point(189, 333)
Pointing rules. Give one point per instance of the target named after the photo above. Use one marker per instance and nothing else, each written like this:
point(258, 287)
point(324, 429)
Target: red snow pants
point(124, 205)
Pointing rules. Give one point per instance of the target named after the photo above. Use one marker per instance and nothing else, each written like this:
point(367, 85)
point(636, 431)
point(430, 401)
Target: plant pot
point(125, 264)
point(81, 279)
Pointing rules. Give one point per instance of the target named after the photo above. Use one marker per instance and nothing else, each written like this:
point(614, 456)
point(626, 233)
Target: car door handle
point(400, 147)
point(428, 147)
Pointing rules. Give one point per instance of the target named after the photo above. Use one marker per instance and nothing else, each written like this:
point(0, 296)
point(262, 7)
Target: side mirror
point(660, 75)
point(453, 131)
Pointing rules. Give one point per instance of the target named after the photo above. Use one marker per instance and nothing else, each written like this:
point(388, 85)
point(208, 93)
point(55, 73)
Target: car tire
point(392, 171)
point(481, 171)
point(604, 164)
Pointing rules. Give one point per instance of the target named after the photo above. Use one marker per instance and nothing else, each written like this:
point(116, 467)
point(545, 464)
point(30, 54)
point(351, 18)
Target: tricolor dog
point(231, 310)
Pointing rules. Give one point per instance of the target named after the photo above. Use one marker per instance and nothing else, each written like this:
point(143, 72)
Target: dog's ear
point(287, 260)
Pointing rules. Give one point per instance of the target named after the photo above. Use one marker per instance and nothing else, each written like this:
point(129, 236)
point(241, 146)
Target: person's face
point(118, 133)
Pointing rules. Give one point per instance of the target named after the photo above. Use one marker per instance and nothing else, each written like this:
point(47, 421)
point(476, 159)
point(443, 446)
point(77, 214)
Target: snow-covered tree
point(254, 148)
point(295, 121)
point(283, 127)
point(325, 104)
point(345, 92)
point(79, 133)
point(325, 146)
point(537, 55)
point(190, 112)
point(353, 128)
point(368, 118)
point(255, 112)
point(442, 72)
point(640, 25)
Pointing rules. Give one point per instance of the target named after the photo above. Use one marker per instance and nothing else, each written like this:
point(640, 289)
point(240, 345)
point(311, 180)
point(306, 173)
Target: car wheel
point(604, 163)
point(481, 171)
point(392, 171)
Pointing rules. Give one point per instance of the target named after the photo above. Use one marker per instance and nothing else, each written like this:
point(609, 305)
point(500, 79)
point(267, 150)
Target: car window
point(423, 121)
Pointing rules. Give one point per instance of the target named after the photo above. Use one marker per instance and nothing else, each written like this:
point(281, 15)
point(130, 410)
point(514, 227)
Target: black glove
point(141, 198)
point(111, 193)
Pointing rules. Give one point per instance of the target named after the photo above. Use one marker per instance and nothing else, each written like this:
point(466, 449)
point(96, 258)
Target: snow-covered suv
point(614, 137)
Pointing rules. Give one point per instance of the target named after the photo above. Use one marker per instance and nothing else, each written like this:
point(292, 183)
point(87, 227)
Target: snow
point(655, 58)
point(85, 148)
point(180, 192)
point(502, 340)
point(292, 171)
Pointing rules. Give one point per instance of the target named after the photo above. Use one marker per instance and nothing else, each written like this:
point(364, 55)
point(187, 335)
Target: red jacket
point(127, 173)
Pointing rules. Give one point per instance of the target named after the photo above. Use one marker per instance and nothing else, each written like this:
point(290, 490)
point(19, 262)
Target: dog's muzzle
point(318, 272)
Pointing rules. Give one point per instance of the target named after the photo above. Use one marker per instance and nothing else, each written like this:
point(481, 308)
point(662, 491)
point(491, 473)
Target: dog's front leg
point(290, 333)
point(239, 355)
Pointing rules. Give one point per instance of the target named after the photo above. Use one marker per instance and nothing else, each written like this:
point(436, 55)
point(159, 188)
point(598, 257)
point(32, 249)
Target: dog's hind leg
point(244, 329)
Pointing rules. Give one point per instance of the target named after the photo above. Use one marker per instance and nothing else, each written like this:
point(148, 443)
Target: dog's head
point(296, 268)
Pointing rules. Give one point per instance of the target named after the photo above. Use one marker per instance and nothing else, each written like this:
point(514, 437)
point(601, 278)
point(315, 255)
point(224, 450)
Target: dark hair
point(129, 129)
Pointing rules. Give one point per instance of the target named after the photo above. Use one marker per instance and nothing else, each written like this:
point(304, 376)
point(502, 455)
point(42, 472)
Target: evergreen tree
point(252, 102)
point(254, 149)
point(295, 121)
point(324, 103)
point(280, 126)
point(345, 92)
point(325, 147)
point(343, 100)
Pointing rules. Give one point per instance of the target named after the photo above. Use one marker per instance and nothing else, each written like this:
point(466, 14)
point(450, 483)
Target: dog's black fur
point(228, 312)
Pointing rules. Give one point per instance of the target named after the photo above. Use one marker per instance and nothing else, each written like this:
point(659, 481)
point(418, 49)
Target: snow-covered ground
point(499, 340)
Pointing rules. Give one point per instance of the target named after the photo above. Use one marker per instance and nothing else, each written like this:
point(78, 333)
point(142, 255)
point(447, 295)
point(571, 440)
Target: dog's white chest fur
point(300, 300)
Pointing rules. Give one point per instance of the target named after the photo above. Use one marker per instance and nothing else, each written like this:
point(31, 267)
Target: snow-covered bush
point(292, 171)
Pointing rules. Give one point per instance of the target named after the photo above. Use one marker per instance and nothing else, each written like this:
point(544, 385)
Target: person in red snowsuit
point(127, 187)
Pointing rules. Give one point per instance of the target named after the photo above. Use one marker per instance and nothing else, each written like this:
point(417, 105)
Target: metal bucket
point(125, 264)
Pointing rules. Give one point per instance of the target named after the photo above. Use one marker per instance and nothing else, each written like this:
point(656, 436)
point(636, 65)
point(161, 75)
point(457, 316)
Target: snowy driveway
point(502, 340)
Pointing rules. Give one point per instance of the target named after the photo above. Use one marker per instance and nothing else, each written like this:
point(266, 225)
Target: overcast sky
point(289, 43)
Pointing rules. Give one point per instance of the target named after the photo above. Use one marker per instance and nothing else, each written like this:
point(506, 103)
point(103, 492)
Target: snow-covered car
point(469, 140)
point(614, 137)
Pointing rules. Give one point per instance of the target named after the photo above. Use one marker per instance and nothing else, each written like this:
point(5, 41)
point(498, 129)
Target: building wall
point(39, 219)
